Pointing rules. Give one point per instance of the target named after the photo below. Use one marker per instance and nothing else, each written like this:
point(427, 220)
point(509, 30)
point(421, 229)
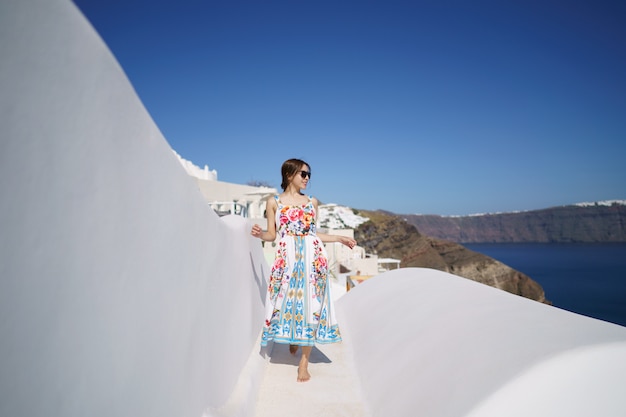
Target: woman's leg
point(303, 368)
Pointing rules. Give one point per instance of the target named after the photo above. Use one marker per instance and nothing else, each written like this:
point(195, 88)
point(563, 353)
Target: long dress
point(298, 306)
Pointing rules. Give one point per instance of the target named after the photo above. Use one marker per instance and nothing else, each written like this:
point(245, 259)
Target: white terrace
point(123, 294)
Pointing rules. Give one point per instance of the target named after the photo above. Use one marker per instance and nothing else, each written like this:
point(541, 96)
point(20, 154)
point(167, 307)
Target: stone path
point(333, 391)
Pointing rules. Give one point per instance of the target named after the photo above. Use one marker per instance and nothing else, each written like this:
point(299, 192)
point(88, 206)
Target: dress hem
point(300, 343)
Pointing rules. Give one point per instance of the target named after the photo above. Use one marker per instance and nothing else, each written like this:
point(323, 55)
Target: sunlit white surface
point(430, 343)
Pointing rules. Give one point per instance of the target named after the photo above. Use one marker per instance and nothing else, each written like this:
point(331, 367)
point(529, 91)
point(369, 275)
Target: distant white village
point(349, 267)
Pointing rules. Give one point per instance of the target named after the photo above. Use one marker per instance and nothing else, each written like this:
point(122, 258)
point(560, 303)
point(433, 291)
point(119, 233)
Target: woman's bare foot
point(303, 367)
point(303, 374)
point(293, 349)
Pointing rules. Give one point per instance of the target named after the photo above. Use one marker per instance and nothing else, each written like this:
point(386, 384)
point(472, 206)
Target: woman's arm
point(270, 214)
point(326, 238)
point(345, 240)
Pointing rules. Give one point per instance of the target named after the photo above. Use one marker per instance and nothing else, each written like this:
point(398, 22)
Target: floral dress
point(298, 306)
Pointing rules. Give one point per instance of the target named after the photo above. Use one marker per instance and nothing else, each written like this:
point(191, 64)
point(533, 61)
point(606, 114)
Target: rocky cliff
point(585, 222)
point(389, 235)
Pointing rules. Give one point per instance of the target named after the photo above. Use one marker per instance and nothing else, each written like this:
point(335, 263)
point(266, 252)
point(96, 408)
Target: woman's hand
point(257, 231)
point(349, 242)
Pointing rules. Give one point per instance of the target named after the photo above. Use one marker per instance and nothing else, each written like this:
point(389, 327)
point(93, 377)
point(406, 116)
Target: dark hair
point(289, 169)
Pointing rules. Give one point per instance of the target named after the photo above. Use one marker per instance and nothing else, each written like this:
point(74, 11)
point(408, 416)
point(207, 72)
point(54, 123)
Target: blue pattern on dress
point(298, 307)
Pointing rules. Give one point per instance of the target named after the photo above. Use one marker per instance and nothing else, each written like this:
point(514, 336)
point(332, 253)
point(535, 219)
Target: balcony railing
point(222, 208)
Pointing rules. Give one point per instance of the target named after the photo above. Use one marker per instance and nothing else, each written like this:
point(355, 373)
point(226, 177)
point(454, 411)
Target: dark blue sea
point(588, 279)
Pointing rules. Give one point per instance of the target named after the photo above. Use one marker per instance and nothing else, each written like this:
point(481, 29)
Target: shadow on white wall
point(122, 293)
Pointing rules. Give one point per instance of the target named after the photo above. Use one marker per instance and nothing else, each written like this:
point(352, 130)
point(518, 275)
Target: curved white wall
point(121, 292)
point(430, 343)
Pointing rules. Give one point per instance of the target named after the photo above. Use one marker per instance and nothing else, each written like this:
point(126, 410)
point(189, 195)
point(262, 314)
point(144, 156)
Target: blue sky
point(431, 107)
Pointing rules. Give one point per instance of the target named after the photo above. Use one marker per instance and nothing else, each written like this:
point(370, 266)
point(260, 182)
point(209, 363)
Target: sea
point(588, 279)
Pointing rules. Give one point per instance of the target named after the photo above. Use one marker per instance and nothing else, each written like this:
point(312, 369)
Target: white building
point(228, 198)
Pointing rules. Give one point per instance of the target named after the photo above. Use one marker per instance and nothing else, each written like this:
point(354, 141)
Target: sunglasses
point(305, 174)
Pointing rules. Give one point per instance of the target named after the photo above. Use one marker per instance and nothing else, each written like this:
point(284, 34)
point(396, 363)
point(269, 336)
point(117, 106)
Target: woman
point(298, 306)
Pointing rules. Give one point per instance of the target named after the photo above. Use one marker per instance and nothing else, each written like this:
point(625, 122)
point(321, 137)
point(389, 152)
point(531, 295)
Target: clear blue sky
point(431, 107)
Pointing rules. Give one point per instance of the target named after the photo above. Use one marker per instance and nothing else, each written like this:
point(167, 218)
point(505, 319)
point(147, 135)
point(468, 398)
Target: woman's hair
point(289, 169)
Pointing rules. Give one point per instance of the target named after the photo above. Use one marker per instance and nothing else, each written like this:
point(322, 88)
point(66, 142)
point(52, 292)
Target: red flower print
point(294, 213)
point(279, 263)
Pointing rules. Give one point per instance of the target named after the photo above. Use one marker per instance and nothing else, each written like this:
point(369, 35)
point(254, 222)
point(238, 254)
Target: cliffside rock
point(389, 235)
point(576, 223)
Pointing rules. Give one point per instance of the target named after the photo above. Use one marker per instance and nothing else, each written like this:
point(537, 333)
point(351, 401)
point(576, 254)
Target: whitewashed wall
point(121, 292)
point(430, 343)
